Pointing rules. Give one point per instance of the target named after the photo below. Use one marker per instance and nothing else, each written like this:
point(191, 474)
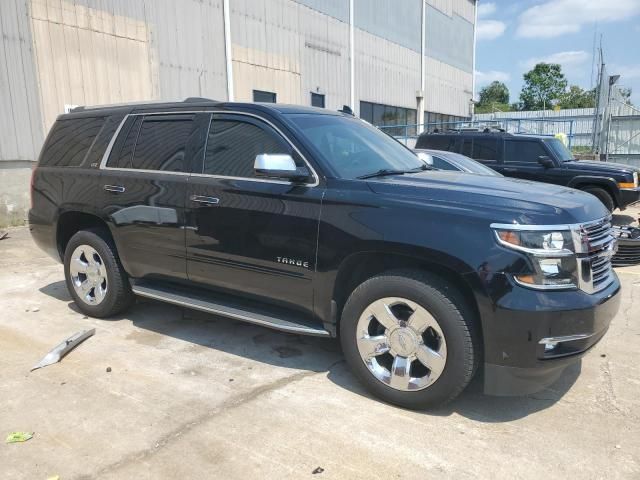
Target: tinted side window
point(485, 149)
point(440, 164)
point(162, 142)
point(122, 152)
point(437, 142)
point(523, 151)
point(467, 147)
point(69, 141)
point(232, 146)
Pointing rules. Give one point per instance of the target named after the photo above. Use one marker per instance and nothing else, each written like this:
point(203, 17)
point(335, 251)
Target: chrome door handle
point(206, 200)
point(114, 188)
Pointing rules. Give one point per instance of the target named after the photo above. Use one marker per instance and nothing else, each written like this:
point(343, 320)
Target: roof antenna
point(347, 109)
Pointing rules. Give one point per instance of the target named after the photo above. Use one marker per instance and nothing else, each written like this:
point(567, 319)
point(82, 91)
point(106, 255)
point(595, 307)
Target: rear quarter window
point(69, 141)
point(437, 142)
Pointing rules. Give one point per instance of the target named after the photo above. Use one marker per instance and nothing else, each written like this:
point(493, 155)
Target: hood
point(603, 168)
point(497, 199)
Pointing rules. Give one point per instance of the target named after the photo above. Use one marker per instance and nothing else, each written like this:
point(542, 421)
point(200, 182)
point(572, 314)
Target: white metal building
point(393, 61)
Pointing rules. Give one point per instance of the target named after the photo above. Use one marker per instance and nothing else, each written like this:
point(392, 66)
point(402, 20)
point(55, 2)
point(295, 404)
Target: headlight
point(552, 255)
point(538, 242)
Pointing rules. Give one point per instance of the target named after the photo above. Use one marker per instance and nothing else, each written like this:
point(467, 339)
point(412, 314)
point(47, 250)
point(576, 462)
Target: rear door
point(486, 151)
point(143, 188)
point(252, 235)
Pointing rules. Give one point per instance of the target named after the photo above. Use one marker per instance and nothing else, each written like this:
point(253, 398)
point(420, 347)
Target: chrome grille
point(599, 245)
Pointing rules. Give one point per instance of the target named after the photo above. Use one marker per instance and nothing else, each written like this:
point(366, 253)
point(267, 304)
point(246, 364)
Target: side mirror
point(425, 157)
point(279, 165)
point(545, 161)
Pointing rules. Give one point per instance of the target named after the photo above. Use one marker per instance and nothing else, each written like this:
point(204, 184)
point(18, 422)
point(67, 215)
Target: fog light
point(550, 346)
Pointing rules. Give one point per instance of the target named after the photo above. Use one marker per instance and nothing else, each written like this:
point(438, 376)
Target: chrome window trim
point(107, 153)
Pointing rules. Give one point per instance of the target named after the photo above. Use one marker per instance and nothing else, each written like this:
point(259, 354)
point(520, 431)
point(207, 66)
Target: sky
point(513, 35)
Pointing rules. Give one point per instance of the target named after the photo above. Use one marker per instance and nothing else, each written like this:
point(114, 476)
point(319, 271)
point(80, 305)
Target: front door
point(250, 234)
point(521, 160)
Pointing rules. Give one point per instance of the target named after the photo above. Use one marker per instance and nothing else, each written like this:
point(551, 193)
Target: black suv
point(544, 159)
point(313, 222)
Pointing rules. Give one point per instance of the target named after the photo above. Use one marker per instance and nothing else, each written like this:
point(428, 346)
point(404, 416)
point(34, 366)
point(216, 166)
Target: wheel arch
point(72, 221)
point(360, 266)
point(609, 185)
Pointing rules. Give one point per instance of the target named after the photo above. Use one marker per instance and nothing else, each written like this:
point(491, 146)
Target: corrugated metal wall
point(449, 39)
point(91, 52)
point(398, 22)
point(20, 121)
point(290, 49)
point(578, 122)
point(385, 72)
point(61, 53)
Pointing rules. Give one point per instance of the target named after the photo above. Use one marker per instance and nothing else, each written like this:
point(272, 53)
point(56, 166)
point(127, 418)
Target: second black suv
point(313, 222)
point(543, 159)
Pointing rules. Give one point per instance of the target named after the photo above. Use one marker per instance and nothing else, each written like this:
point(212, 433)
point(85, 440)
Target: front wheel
point(602, 195)
point(410, 339)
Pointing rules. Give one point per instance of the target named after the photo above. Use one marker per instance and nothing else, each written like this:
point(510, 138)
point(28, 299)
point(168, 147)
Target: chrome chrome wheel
point(401, 344)
point(88, 275)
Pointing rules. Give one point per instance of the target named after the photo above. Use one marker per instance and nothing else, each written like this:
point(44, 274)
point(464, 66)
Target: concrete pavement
point(191, 395)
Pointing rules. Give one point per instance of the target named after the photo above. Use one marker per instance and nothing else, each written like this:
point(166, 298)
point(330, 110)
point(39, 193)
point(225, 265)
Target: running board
point(247, 311)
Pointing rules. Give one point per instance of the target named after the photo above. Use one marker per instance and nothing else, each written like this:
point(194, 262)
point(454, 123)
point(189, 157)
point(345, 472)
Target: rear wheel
point(410, 339)
point(602, 195)
point(95, 279)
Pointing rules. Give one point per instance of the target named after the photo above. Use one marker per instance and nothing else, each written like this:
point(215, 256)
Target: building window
point(387, 116)
point(440, 121)
point(317, 100)
point(265, 97)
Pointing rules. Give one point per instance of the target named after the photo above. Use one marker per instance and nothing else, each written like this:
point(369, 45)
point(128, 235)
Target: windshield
point(352, 147)
point(562, 152)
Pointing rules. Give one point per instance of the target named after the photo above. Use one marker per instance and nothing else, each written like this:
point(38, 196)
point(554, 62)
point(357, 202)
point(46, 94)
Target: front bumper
point(516, 362)
point(629, 196)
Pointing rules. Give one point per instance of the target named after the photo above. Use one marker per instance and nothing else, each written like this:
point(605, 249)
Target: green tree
point(576, 97)
point(493, 98)
point(495, 92)
point(543, 85)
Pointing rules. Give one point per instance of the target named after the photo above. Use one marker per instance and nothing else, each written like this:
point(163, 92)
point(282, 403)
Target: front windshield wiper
point(387, 171)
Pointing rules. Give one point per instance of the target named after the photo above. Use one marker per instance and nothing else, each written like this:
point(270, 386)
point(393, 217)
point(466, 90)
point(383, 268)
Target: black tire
point(602, 195)
point(447, 306)
point(118, 295)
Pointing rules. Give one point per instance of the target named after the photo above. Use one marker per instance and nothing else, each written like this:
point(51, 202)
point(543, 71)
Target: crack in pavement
point(229, 404)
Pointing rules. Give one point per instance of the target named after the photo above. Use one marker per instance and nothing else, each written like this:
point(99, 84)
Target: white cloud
point(630, 72)
point(485, 78)
point(490, 29)
point(486, 9)
point(558, 17)
point(571, 60)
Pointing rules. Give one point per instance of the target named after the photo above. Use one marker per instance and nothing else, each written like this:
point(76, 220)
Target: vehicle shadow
point(157, 320)
point(621, 219)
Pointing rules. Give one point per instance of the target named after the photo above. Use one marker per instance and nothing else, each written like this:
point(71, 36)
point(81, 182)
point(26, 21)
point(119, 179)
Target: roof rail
point(199, 99)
